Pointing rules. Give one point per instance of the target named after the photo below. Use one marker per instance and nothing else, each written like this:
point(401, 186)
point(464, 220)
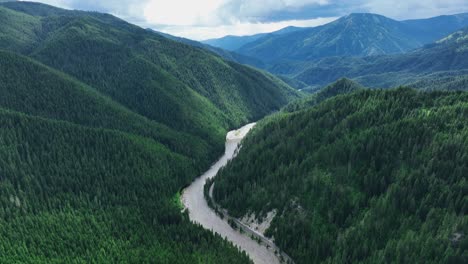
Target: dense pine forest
point(102, 123)
point(372, 176)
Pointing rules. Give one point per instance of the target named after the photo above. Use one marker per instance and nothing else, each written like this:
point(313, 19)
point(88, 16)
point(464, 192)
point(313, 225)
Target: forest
point(371, 176)
point(102, 123)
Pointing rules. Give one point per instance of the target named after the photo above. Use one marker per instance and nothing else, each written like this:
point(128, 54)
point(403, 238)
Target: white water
point(199, 211)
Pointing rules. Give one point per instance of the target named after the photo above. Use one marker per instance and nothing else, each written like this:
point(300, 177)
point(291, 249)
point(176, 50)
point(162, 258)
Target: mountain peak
point(365, 18)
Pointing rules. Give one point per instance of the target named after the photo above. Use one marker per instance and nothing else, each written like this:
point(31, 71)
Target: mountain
point(102, 123)
point(431, 29)
point(119, 59)
point(352, 35)
point(79, 168)
point(233, 43)
point(372, 176)
point(446, 57)
point(225, 54)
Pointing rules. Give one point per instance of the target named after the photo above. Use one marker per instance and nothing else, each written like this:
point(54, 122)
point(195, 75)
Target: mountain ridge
point(357, 34)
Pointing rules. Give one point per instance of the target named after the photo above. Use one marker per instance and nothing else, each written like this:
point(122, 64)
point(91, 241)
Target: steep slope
point(90, 181)
point(32, 88)
point(352, 35)
point(443, 58)
point(368, 177)
point(191, 88)
point(101, 124)
point(75, 194)
point(18, 31)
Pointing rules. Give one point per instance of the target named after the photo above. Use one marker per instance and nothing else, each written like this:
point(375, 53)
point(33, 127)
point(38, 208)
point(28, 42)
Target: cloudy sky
point(203, 19)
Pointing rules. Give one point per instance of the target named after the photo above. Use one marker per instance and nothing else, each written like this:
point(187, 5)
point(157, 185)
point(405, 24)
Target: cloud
point(218, 12)
point(206, 18)
point(182, 12)
point(259, 10)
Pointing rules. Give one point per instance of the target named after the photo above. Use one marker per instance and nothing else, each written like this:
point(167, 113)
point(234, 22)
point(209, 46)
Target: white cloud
point(216, 12)
point(248, 9)
point(182, 12)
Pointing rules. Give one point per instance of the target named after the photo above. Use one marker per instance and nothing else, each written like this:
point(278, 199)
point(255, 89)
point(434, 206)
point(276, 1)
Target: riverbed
point(199, 211)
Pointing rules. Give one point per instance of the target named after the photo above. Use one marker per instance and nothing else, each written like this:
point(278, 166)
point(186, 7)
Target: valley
point(126, 138)
point(199, 212)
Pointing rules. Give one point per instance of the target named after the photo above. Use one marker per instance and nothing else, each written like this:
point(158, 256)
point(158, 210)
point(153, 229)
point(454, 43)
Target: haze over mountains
point(233, 43)
point(352, 35)
point(446, 57)
point(372, 49)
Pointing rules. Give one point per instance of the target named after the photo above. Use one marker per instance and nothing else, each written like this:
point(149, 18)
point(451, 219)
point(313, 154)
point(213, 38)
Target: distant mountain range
point(353, 35)
point(233, 43)
point(446, 57)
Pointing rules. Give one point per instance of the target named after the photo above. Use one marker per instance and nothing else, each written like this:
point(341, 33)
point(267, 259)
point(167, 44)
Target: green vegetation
point(101, 125)
point(368, 177)
point(76, 194)
point(175, 84)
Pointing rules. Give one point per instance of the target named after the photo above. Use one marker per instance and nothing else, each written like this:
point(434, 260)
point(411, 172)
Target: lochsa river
point(199, 211)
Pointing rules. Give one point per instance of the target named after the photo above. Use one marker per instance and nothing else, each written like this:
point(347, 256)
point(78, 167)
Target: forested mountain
point(119, 59)
point(101, 124)
point(353, 35)
point(375, 176)
point(444, 58)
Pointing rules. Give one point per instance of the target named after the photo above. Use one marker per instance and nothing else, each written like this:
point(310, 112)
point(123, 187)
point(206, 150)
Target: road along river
point(199, 211)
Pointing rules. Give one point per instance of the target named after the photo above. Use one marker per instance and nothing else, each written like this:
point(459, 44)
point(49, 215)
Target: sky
point(205, 19)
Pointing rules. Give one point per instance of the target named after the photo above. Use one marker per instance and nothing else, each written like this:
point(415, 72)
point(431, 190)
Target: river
point(199, 211)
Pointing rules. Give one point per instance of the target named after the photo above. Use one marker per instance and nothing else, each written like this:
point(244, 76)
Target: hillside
point(369, 177)
point(32, 88)
point(118, 59)
point(81, 169)
point(77, 194)
point(101, 125)
point(352, 35)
